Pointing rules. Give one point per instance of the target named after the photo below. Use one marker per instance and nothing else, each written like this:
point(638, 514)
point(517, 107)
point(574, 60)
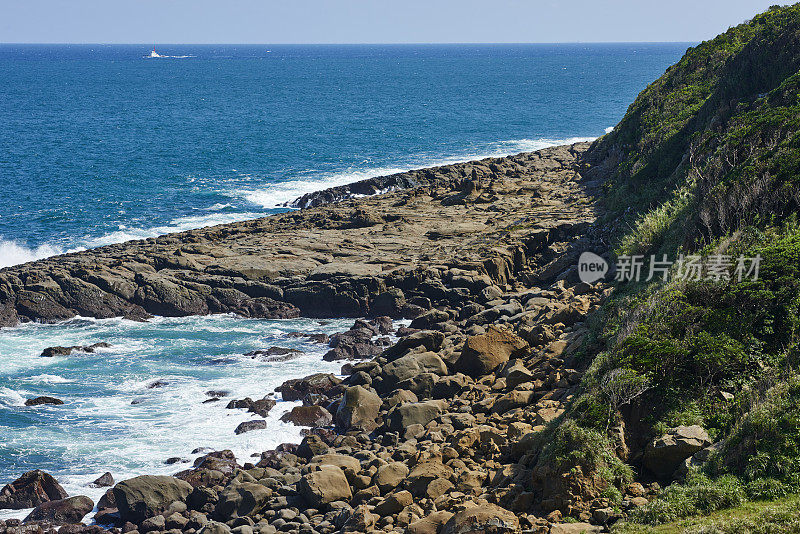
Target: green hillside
point(706, 162)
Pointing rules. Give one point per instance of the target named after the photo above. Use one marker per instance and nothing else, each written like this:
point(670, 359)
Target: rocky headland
point(519, 398)
point(425, 435)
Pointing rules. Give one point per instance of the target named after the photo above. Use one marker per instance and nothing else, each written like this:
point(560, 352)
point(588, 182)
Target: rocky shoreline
point(437, 433)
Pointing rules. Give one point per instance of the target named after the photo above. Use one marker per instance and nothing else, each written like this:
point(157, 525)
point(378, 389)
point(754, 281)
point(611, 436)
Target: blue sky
point(368, 21)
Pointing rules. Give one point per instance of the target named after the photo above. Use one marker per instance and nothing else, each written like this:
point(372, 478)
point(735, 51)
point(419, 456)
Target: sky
point(369, 21)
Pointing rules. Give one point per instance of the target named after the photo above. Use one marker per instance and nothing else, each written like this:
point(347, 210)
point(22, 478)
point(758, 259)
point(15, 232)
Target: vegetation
point(707, 162)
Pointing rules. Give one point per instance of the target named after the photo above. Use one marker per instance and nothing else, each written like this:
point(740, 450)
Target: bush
point(699, 495)
point(570, 445)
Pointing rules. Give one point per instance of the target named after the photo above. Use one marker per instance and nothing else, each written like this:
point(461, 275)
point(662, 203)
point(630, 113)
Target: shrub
point(699, 495)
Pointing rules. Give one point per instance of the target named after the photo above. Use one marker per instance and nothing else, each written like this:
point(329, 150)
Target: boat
point(154, 53)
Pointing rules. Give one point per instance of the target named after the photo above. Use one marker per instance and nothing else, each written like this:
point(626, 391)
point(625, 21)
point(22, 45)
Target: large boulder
point(430, 524)
point(325, 485)
point(146, 496)
point(482, 519)
point(424, 473)
point(431, 340)
point(38, 401)
point(320, 383)
point(313, 416)
point(389, 476)
point(358, 409)
point(484, 353)
point(342, 461)
point(410, 366)
point(414, 413)
point(62, 512)
point(30, 490)
point(240, 500)
point(665, 454)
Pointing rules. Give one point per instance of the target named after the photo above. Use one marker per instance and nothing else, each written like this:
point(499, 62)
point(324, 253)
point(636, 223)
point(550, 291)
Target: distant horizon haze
point(268, 22)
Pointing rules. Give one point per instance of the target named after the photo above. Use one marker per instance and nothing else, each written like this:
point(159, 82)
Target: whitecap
point(48, 379)
point(609, 129)
point(14, 253)
point(281, 194)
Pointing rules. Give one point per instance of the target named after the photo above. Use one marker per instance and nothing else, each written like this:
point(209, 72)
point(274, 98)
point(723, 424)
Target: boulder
point(213, 527)
point(38, 401)
point(394, 503)
point(30, 490)
point(61, 512)
point(249, 426)
point(486, 518)
point(313, 416)
point(389, 476)
point(424, 473)
point(321, 383)
point(358, 409)
point(106, 480)
point(575, 528)
point(341, 461)
point(409, 366)
point(325, 485)
point(312, 445)
point(430, 524)
point(665, 454)
point(429, 339)
point(414, 413)
point(240, 500)
point(484, 353)
point(145, 496)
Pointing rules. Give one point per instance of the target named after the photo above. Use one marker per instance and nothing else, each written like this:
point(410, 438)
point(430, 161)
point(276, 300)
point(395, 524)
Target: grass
point(762, 517)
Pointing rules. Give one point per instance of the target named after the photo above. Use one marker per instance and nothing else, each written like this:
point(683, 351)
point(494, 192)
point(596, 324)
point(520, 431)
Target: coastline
point(456, 248)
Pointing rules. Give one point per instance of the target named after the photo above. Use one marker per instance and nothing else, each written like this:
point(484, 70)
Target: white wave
point(48, 379)
point(127, 233)
point(10, 397)
point(219, 206)
point(14, 253)
point(280, 194)
point(609, 129)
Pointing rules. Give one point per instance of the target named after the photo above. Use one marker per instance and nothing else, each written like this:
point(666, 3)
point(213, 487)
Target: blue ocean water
point(101, 145)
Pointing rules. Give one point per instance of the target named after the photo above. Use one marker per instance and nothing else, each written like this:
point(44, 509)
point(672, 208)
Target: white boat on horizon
point(154, 53)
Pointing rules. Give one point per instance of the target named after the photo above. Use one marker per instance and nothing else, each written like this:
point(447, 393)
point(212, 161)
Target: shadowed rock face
point(383, 255)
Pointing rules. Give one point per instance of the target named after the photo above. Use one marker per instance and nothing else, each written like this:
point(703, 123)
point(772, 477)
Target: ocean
point(101, 145)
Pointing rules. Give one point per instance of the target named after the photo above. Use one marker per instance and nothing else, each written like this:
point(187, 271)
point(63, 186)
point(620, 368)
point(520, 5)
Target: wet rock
point(320, 383)
point(38, 401)
point(313, 416)
point(145, 496)
point(30, 490)
point(49, 352)
point(249, 426)
point(260, 407)
point(106, 480)
point(69, 510)
point(275, 354)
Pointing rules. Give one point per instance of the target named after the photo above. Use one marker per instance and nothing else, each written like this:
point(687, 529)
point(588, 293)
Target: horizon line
point(345, 44)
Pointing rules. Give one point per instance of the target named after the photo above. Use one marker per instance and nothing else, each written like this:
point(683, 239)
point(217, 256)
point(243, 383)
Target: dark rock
point(30, 490)
point(49, 352)
point(69, 510)
point(296, 389)
point(43, 400)
point(308, 416)
point(146, 496)
point(249, 426)
point(104, 481)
